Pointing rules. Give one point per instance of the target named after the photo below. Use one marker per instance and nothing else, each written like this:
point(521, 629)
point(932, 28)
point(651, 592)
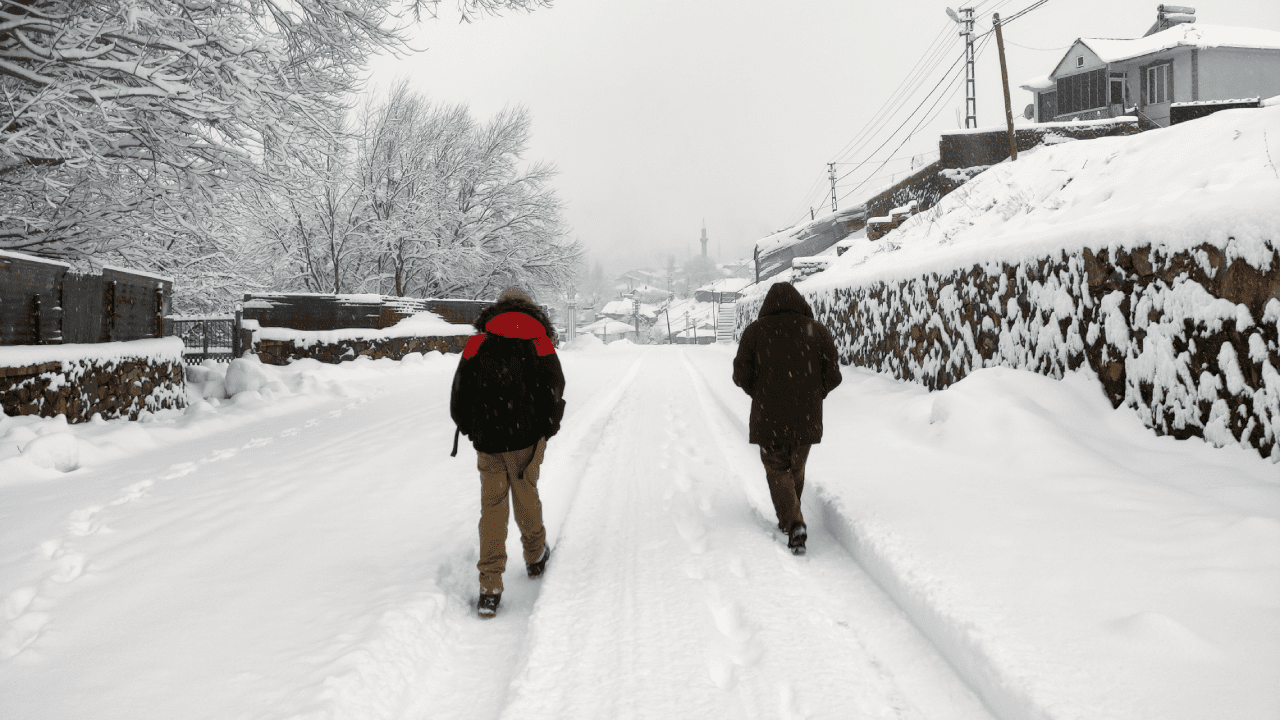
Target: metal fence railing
point(208, 337)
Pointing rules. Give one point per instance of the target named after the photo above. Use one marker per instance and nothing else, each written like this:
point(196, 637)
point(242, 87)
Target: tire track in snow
point(431, 657)
point(833, 525)
point(672, 597)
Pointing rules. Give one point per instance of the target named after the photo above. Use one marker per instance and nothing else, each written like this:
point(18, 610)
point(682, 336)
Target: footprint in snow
point(257, 442)
point(221, 455)
point(311, 423)
point(22, 631)
point(177, 471)
point(136, 491)
point(290, 432)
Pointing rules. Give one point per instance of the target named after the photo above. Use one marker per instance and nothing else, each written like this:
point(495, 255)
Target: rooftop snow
point(32, 258)
point(1044, 82)
point(1199, 36)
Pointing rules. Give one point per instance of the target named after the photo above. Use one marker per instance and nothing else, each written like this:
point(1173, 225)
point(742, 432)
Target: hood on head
point(516, 292)
point(515, 305)
point(783, 297)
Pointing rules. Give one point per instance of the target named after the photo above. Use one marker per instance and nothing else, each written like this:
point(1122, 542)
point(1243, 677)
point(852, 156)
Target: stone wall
point(962, 149)
point(115, 387)
point(1188, 340)
point(280, 352)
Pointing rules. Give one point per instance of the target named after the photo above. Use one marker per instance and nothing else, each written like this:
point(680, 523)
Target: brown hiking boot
point(536, 569)
point(796, 538)
point(488, 605)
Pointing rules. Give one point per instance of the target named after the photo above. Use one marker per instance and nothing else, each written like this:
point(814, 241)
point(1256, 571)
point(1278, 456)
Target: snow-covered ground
point(1010, 547)
point(1193, 183)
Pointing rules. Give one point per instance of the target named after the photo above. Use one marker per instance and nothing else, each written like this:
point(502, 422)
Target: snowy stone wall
point(112, 379)
point(280, 352)
point(1187, 339)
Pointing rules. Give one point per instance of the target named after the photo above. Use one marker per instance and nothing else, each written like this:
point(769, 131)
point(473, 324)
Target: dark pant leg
point(799, 457)
point(782, 488)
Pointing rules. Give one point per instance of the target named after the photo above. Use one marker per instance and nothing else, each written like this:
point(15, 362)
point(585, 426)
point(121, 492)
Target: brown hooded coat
point(787, 363)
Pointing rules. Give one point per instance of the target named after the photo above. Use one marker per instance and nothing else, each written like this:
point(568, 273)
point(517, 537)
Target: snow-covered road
point(307, 549)
point(317, 560)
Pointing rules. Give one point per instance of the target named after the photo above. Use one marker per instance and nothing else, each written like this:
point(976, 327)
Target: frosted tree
point(431, 204)
point(127, 119)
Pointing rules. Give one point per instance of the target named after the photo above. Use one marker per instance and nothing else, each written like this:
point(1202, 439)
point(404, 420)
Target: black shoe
point(536, 569)
point(488, 605)
point(796, 538)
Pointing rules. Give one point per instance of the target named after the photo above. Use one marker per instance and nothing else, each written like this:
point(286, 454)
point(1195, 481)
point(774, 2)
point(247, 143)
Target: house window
point(1158, 90)
point(1082, 91)
point(1080, 61)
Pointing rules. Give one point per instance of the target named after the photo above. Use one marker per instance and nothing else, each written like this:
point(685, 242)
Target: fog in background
point(661, 114)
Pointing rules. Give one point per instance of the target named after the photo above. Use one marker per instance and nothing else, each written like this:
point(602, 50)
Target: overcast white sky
point(660, 113)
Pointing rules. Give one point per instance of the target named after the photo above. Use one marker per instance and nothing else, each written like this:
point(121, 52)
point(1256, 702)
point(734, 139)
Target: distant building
point(1173, 66)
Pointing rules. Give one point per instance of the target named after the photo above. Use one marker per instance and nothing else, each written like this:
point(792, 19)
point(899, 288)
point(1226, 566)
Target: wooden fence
point(46, 302)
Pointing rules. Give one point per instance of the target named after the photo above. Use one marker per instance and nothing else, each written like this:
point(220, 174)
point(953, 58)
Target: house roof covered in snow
point(1114, 50)
point(1044, 82)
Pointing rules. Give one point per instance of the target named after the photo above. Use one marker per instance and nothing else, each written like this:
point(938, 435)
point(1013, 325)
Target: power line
point(913, 112)
point(928, 55)
point(933, 59)
point(1027, 47)
point(925, 118)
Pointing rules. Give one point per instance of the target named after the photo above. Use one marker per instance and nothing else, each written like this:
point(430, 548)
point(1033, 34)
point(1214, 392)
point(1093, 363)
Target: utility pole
point(965, 20)
point(1004, 77)
point(831, 173)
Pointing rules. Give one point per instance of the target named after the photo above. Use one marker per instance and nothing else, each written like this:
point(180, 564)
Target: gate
point(208, 337)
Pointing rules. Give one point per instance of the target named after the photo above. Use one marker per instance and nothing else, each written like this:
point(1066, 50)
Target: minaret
point(704, 237)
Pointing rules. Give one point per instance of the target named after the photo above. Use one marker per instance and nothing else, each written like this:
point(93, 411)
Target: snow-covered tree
point(123, 120)
point(427, 202)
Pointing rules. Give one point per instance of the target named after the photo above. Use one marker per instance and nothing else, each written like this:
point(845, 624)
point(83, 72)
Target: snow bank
point(1173, 189)
point(583, 342)
point(1066, 562)
point(1152, 259)
point(215, 396)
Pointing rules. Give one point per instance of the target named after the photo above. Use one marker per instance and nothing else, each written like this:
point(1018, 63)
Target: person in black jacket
point(787, 363)
point(508, 400)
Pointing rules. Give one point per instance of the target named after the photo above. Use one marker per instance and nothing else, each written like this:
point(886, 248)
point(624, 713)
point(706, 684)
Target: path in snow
point(320, 562)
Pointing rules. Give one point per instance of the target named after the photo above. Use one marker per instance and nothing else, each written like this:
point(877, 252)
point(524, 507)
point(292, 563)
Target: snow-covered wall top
point(1104, 122)
point(159, 349)
point(1173, 189)
point(32, 258)
point(423, 324)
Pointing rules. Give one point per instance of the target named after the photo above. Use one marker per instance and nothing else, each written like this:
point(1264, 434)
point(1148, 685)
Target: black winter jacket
point(787, 363)
point(508, 390)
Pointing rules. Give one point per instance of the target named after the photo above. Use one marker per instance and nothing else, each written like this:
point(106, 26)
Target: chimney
point(1169, 15)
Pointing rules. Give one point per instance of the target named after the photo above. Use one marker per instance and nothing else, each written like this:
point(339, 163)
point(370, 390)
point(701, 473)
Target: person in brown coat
point(787, 363)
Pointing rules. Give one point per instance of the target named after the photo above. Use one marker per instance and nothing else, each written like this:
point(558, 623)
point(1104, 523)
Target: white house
point(1153, 75)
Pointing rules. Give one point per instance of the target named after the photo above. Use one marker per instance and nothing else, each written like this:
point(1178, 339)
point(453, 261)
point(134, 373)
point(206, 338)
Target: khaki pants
point(513, 473)
point(784, 470)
